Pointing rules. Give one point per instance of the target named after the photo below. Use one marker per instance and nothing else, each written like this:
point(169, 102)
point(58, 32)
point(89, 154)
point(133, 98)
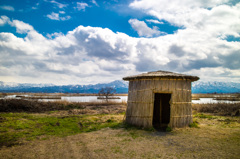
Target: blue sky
point(50, 16)
point(95, 41)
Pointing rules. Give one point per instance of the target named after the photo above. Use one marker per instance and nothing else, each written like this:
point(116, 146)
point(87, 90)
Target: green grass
point(219, 121)
point(15, 127)
point(168, 129)
point(201, 115)
point(195, 124)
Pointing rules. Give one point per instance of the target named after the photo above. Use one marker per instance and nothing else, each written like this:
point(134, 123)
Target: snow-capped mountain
point(119, 85)
point(13, 85)
point(215, 87)
point(7, 84)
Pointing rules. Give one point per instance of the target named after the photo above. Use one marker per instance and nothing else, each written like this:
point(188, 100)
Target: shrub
point(168, 129)
point(194, 124)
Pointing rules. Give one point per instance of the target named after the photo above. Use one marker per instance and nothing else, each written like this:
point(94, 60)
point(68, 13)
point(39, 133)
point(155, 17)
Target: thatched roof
point(161, 74)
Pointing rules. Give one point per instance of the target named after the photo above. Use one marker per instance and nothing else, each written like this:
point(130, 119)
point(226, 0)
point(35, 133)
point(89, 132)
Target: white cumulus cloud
point(57, 16)
point(142, 28)
point(93, 55)
point(154, 21)
point(58, 4)
point(213, 17)
point(81, 6)
point(3, 20)
point(94, 2)
point(6, 7)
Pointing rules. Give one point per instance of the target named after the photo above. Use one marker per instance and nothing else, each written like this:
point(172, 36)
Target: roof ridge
point(161, 74)
point(161, 71)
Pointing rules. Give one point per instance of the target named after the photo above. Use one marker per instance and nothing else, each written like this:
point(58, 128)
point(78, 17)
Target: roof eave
point(191, 78)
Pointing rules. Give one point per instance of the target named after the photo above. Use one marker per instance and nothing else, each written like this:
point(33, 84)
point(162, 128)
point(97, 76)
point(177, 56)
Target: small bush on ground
point(168, 129)
point(195, 124)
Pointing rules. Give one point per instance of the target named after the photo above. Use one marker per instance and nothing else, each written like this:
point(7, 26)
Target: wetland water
point(122, 99)
point(91, 99)
point(212, 100)
point(75, 98)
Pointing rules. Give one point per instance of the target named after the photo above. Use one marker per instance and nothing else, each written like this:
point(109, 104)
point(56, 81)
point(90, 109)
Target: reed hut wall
point(141, 101)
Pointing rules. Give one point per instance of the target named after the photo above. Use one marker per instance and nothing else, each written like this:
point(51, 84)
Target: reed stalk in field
point(226, 109)
point(21, 105)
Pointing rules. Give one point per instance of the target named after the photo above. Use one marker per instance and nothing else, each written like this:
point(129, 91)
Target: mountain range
point(215, 87)
point(120, 86)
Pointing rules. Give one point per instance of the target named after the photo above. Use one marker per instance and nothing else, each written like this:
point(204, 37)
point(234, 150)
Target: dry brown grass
point(91, 110)
point(226, 109)
point(233, 98)
point(20, 105)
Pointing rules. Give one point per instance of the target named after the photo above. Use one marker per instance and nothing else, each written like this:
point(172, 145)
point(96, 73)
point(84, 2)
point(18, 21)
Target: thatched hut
point(159, 99)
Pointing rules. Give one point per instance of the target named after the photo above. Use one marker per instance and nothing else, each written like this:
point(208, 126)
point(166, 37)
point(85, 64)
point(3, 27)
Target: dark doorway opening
point(161, 111)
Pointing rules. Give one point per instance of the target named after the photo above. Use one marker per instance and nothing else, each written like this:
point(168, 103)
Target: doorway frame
point(170, 105)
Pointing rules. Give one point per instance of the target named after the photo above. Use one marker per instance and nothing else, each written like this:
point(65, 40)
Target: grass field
point(97, 131)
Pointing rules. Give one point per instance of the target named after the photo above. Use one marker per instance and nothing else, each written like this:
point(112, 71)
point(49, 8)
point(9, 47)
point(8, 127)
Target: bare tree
point(106, 92)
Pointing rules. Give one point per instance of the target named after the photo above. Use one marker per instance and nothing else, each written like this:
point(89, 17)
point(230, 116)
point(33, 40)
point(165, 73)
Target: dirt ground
point(212, 140)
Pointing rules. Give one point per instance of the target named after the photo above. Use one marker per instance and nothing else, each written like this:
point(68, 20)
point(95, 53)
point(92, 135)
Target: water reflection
point(91, 99)
point(211, 100)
